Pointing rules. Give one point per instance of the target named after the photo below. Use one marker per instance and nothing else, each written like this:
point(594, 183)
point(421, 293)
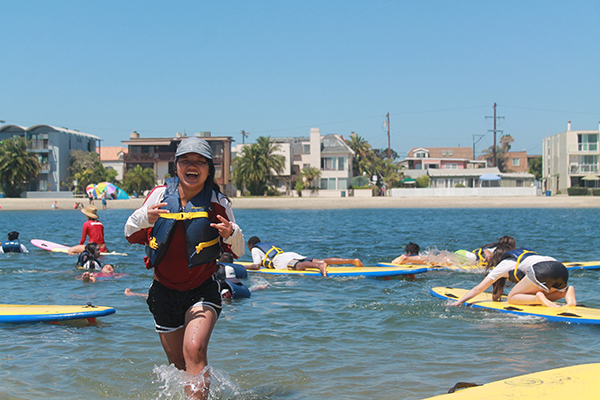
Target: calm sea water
point(334, 338)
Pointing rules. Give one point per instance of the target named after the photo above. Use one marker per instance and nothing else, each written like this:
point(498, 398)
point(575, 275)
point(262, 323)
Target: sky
point(278, 68)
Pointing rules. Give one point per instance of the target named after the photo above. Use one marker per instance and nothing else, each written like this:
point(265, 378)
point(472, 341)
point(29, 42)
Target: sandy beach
point(562, 201)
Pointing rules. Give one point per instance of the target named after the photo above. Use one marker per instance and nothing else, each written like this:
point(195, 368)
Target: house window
point(588, 164)
point(324, 184)
point(306, 149)
point(587, 142)
point(341, 163)
point(342, 183)
point(516, 162)
point(519, 182)
point(328, 163)
point(305, 166)
point(450, 166)
point(443, 152)
point(450, 152)
point(421, 154)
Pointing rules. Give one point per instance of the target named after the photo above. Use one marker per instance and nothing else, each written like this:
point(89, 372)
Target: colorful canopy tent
point(408, 181)
point(112, 191)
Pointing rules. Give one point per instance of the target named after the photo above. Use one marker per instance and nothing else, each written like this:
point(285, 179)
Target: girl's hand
point(154, 211)
point(225, 227)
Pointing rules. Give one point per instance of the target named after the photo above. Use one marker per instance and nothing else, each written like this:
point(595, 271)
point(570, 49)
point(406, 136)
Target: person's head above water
point(92, 249)
point(14, 235)
point(226, 258)
point(252, 241)
point(412, 249)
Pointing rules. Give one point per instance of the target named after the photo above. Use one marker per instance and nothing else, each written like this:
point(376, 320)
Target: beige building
point(420, 160)
point(570, 158)
point(112, 157)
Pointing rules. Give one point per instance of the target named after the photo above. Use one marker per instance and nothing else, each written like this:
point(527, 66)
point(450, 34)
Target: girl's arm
point(485, 283)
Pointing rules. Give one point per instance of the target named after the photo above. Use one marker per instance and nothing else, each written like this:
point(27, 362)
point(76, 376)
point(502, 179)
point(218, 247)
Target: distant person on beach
point(92, 228)
point(13, 245)
point(104, 200)
point(90, 198)
point(539, 280)
point(186, 224)
point(54, 206)
point(269, 255)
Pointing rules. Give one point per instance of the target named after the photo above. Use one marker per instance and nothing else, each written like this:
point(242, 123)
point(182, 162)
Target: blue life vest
point(517, 255)
point(238, 289)
point(87, 261)
point(271, 250)
point(11, 246)
point(202, 240)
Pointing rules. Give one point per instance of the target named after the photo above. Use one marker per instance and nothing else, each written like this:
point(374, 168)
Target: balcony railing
point(38, 145)
point(575, 169)
point(149, 157)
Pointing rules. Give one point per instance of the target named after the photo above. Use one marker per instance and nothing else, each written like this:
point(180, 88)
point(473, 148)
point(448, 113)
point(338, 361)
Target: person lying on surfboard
point(483, 253)
point(93, 228)
point(539, 280)
point(412, 255)
point(268, 255)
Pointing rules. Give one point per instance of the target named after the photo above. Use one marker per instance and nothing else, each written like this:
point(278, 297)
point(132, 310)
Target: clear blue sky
point(278, 68)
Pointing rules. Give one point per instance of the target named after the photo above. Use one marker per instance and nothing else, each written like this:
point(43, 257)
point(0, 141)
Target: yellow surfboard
point(371, 272)
point(577, 315)
point(17, 313)
point(576, 382)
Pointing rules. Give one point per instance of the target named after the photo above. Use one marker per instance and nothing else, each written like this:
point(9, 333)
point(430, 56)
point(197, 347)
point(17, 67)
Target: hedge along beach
point(8, 204)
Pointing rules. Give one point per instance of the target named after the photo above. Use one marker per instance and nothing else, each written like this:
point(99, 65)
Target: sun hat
point(194, 145)
point(90, 211)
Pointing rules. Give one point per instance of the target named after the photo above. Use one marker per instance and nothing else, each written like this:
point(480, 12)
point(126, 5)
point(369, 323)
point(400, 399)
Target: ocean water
point(303, 337)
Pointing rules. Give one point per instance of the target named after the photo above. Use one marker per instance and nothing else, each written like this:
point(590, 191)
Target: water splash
point(219, 384)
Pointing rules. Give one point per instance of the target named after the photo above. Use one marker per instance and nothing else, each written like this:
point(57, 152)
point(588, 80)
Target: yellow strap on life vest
point(519, 262)
point(204, 245)
point(268, 261)
point(153, 244)
point(185, 215)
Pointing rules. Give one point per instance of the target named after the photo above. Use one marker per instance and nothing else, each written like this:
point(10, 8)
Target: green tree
point(256, 166)
point(363, 153)
point(535, 167)
point(310, 177)
point(17, 165)
point(501, 150)
point(138, 179)
point(86, 168)
point(423, 181)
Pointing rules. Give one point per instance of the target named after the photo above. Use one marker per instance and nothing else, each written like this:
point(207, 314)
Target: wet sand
point(561, 201)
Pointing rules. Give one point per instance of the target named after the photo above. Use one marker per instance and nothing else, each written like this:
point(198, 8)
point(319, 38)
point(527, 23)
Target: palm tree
point(309, 175)
point(17, 165)
point(138, 179)
point(363, 153)
point(256, 166)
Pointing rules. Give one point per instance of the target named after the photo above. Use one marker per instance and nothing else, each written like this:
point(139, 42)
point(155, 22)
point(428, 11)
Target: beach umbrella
point(107, 187)
point(359, 180)
point(489, 177)
point(91, 189)
point(408, 181)
point(590, 178)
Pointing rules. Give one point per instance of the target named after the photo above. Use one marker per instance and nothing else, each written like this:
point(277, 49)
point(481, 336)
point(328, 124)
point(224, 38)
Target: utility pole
point(244, 135)
point(388, 131)
point(495, 157)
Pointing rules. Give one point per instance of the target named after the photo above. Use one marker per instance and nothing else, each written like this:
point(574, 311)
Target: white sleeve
point(139, 219)
point(236, 240)
point(24, 249)
point(257, 256)
point(502, 270)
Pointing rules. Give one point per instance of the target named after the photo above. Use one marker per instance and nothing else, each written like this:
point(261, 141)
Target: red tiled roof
point(111, 153)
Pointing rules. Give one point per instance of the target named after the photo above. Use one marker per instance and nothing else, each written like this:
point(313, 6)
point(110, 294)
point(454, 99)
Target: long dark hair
point(498, 286)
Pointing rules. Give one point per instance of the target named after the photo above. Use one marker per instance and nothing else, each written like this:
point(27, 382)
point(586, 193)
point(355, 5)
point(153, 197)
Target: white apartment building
point(569, 159)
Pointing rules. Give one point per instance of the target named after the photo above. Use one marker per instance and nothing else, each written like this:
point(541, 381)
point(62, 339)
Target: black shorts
point(548, 275)
point(169, 306)
point(292, 264)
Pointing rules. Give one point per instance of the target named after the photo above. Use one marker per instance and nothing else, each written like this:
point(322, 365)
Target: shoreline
point(316, 203)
